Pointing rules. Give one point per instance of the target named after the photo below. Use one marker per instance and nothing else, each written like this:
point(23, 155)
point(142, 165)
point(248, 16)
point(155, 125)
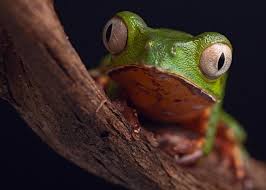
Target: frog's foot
point(130, 114)
point(100, 105)
point(189, 158)
point(184, 146)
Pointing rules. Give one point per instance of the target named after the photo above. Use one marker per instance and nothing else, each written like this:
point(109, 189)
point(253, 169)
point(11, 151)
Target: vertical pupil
point(221, 61)
point(108, 32)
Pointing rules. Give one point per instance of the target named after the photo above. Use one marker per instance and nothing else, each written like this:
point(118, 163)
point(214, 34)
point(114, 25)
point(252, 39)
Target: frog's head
point(200, 61)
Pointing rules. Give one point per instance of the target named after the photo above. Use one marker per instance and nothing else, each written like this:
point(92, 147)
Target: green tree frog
point(171, 76)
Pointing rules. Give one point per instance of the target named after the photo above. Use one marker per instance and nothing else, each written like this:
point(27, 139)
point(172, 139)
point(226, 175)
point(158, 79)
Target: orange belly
point(161, 96)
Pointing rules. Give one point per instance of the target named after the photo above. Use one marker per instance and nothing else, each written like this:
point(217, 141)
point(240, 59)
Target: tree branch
point(42, 76)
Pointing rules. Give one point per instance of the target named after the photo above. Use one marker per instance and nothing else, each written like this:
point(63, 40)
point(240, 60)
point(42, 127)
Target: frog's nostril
point(149, 44)
point(173, 49)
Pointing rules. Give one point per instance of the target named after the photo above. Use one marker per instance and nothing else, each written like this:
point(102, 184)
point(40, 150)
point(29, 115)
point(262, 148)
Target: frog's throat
point(194, 88)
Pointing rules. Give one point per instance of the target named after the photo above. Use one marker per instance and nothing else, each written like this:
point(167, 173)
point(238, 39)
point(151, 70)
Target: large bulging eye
point(115, 35)
point(215, 60)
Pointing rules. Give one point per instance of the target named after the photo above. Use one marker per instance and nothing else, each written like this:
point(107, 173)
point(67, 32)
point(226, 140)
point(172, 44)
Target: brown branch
point(42, 76)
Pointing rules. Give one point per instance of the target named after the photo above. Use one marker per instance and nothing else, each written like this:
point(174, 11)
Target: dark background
point(27, 162)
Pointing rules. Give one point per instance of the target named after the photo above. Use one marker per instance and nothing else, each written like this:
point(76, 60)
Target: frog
point(170, 76)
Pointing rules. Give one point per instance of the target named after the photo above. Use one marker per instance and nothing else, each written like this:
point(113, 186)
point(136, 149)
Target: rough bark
point(43, 77)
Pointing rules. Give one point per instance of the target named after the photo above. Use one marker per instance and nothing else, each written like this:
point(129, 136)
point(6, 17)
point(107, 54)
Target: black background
point(29, 163)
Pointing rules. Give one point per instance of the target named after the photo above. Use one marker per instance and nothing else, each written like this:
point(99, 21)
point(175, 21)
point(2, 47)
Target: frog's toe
point(247, 183)
point(189, 158)
point(245, 178)
point(100, 105)
point(130, 114)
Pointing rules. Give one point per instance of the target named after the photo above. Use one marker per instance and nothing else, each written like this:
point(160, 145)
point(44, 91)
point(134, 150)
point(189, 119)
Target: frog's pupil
point(108, 32)
point(221, 61)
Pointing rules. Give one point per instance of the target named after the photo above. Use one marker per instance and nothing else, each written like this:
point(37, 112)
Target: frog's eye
point(215, 60)
point(115, 35)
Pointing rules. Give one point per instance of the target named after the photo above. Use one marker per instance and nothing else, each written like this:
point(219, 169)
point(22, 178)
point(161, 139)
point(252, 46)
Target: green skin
point(182, 60)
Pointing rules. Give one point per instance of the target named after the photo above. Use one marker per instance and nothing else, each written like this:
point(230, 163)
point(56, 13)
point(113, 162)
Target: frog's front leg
point(229, 142)
point(119, 99)
point(226, 136)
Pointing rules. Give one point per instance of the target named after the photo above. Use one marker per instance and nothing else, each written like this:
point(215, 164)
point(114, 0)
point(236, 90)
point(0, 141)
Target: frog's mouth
point(161, 95)
point(163, 75)
point(196, 90)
